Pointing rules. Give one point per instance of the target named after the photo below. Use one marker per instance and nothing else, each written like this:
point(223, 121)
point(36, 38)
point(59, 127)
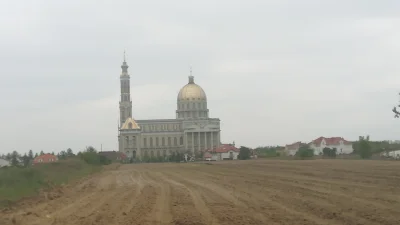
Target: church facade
point(192, 131)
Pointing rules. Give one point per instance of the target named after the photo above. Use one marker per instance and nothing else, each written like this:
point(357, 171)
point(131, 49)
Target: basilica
point(191, 132)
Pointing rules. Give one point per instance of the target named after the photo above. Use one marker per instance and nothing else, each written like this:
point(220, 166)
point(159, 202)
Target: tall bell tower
point(125, 103)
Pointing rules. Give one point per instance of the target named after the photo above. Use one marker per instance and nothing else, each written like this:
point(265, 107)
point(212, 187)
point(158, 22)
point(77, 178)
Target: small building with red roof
point(342, 146)
point(223, 152)
point(45, 158)
point(114, 156)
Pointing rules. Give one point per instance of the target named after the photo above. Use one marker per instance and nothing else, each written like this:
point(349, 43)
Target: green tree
point(244, 153)
point(268, 151)
point(90, 149)
point(70, 153)
point(305, 152)
point(41, 152)
point(328, 152)
point(26, 160)
point(30, 154)
point(36, 155)
point(178, 157)
point(14, 158)
point(63, 155)
point(395, 111)
point(90, 156)
point(172, 157)
point(104, 160)
point(364, 147)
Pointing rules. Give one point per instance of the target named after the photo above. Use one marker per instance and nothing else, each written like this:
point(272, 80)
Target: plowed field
point(333, 192)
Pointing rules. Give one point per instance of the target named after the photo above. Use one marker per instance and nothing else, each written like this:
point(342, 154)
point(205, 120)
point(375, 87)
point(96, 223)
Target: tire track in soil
point(161, 213)
point(183, 209)
point(139, 207)
point(69, 213)
point(227, 210)
point(199, 204)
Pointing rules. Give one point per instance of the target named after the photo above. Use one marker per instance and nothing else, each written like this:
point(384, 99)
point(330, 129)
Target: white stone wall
point(291, 152)
point(226, 155)
point(341, 148)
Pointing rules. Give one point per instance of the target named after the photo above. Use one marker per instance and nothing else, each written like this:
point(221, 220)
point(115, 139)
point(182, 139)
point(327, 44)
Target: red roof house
point(114, 155)
point(46, 158)
point(342, 146)
point(225, 151)
point(330, 141)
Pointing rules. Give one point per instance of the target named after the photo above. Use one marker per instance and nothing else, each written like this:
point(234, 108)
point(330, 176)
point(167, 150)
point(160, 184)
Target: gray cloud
point(275, 72)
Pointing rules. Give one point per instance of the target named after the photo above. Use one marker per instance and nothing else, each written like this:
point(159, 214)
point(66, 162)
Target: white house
point(291, 149)
point(342, 146)
point(223, 152)
point(4, 162)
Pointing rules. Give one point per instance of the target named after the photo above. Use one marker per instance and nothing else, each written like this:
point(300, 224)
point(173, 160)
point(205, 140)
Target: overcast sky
point(274, 71)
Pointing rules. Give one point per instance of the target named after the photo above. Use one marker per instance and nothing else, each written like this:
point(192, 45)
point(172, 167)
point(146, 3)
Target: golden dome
point(192, 91)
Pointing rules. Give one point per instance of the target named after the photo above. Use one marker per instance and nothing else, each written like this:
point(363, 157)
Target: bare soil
point(333, 192)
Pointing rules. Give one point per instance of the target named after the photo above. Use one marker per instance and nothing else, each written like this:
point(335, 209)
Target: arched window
point(163, 141)
point(198, 105)
point(157, 144)
point(175, 141)
point(169, 141)
point(145, 142)
point(181, 141)
point(151, 142)
point(193, 105)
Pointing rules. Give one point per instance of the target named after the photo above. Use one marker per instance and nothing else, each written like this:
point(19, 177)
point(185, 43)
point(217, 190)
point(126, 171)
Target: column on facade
point(212, 140)
point(205, 140)
point(218, 139)
point(122, 140)
point(185, 140)
point(198, 133)
point(192, 133)
point(138, 144)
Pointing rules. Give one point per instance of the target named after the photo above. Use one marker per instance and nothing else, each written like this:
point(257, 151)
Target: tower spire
point(125, 104)
point(124, 66)
point(191, 77)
